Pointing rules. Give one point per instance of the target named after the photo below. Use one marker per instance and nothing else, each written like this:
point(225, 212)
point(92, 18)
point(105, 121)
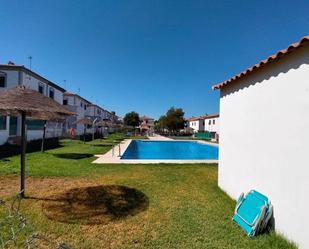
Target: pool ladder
point(119, 150)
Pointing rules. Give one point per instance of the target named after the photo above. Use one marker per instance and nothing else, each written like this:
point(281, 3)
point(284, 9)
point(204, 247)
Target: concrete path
point(157, 137)
point(114, 155)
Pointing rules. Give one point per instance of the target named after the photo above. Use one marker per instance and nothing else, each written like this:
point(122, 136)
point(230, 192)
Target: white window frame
point(43, 86)
point(51, 90)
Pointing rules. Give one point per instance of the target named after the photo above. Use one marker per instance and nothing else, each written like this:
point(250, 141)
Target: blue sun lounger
point(253, 213)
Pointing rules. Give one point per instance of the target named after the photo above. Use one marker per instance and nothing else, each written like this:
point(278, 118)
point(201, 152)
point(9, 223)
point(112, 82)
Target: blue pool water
point(183, 150)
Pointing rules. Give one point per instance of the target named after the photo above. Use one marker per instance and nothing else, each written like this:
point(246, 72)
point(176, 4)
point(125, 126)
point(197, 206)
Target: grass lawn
point(126, 206)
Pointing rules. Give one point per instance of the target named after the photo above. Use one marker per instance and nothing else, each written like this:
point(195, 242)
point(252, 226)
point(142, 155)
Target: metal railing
point(119, 149)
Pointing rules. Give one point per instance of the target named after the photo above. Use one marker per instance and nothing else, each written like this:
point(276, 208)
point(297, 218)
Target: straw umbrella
point(105, 123)
point(24, 102)
point(85, 122)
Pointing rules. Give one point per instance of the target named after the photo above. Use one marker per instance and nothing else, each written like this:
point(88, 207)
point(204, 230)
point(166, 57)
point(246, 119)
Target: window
point(2, 79)
point(51, 93)
point(85, 107)
point(213, 122)
point(65, 102)
point(2, 122)
point(209, 122)
point(81, 104)
point(98, 112)
point(13, 126)
point(35, 124)
point(41, 88)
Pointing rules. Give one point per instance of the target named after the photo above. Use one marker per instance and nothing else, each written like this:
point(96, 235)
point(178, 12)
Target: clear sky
point(144, 55)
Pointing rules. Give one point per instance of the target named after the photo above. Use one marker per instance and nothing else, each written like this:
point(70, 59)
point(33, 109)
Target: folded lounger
point(253, 213)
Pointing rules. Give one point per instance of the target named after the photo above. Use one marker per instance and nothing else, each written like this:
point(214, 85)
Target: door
point(13, 126)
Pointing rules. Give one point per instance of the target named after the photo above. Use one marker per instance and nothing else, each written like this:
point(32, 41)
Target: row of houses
point(205, 123)
point(12, 75)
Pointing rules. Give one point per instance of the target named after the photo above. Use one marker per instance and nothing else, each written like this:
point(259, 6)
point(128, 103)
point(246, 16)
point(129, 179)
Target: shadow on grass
point(103, 145)
point(75, 156)
point(95, 205)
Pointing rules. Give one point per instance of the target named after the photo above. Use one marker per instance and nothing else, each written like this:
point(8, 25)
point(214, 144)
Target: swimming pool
point(173, 150)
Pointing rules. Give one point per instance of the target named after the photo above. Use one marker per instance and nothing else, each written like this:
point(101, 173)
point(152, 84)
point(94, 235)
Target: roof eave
point(270, 59)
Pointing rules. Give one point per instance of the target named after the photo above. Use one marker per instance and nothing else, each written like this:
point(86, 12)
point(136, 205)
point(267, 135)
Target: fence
point(205, 135)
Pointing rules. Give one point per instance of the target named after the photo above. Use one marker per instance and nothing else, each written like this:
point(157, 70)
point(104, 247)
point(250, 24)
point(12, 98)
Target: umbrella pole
point(43, 138)
point(84, 133)
point(22, 156)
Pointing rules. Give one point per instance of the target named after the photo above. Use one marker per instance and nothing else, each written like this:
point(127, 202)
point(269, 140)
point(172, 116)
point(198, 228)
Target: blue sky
point(147, 55)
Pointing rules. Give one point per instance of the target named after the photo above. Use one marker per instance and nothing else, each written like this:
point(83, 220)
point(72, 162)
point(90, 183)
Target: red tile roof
point(145, 118)
point(211, 116)
point(204, 117)
point(194, 119)
point(275, 57)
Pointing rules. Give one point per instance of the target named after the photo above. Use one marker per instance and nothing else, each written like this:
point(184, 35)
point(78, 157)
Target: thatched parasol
point(24, 102)
point(104, 123)
point(85, 122)
point(33, 104)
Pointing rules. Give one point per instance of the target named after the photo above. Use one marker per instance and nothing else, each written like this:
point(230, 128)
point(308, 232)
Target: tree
point(131, 119)
point(160, 125)
point(173, 120)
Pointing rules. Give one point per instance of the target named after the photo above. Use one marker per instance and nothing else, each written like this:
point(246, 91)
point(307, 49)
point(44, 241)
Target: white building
point(147, 125)
point(211, 123)
point(85, 109)
point(95, 112)
point(259, 148)
point(11, 76)
point(77, 104)
point(196, 123)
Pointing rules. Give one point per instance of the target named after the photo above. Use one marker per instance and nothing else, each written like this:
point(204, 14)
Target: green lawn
point(73, 158)
point(127, 206)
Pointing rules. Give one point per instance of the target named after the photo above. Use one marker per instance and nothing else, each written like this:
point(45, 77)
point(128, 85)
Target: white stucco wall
point(264, 140)
point(4, 134)
point(33, 83)
point(12, 78)
point(15, 77)
point(212, 127)
point(196, 125)
point(77, 105)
